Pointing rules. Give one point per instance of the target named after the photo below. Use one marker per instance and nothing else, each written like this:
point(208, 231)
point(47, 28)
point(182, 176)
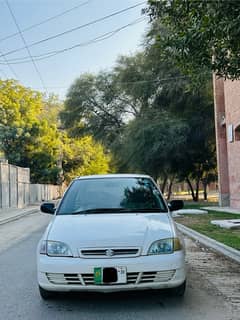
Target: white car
point(111, 233)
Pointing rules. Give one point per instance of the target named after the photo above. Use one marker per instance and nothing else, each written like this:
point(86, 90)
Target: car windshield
point(110, 195)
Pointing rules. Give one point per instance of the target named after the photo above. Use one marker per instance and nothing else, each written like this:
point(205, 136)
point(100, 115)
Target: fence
point(16, 191)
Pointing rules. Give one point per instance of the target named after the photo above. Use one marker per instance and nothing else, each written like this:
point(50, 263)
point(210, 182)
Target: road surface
point(212, 289)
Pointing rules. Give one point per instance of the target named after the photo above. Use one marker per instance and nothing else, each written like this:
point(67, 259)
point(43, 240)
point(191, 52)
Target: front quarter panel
point(45, 235)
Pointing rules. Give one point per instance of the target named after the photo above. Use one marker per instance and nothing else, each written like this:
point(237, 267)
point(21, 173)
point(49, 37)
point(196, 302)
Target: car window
point(111, 193)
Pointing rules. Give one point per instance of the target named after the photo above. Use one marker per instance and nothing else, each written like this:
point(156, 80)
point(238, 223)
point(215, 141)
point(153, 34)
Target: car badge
point(109, 252)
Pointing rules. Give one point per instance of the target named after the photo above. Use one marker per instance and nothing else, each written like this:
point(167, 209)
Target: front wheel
point(179, 291)
point(45, 294)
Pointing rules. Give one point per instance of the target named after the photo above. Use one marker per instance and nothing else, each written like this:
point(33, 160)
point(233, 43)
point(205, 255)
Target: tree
point(137, 80)
point(83, 156)
point(94, 106)
point(198, 35)
point(51, 108)
point(172, 136)
point(31, 136)
point(199, 155)
point(27, 138)
point(155, 110)
point(153, 142)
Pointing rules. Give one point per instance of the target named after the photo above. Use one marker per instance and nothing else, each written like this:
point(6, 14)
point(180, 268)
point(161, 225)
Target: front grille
point(65, 278)
point(132, 277)
point(159, 276)
point(93, 252)
point(87, 279)
point(109, 252)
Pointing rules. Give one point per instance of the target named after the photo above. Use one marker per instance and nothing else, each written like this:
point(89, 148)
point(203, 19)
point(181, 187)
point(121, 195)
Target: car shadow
point(134, 301)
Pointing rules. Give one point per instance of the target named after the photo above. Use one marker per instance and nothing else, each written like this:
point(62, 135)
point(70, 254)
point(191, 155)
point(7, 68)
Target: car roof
point(118, 175)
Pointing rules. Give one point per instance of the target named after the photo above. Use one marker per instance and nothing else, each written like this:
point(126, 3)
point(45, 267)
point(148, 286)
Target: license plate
point(114, 275)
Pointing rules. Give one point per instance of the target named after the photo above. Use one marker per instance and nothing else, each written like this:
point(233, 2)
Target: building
point(227, 123)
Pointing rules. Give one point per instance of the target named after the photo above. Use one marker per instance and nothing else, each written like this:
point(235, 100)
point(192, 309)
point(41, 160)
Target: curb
point(19, 216)
point(222, 209)
point(213, 244)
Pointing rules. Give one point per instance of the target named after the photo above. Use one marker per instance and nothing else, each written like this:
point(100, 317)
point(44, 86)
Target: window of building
point(230, 133)
point(237, 133)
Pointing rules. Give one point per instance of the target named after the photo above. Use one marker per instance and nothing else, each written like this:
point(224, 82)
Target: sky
point(56, 73)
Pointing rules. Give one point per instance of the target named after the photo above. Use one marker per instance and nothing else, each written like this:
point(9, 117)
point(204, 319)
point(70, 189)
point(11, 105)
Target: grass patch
point(199, 204)
point(202, 224)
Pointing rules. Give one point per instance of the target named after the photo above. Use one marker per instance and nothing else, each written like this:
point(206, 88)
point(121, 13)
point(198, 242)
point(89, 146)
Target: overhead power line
point(76, 28)
point(26, 46)
point(50, 54)
point(157, 80)
point(9, 65)
point(44, 21)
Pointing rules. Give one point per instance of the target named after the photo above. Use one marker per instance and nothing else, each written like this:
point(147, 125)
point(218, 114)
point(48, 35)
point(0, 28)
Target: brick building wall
point(227, 123)
point(221, 142)
point(232, 111)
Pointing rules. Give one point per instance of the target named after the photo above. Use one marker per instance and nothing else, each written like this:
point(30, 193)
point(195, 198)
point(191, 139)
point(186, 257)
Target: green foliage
point(134, 77)
point(198, 35)
point(44, 154)
point(153, 143)
point(51, 108)
point(30, 138)
point(143, 79)
point(148, 114)
point(27, 139)
point(173, 131)
point(94, 106)
point(20, 106)
point(83, 156)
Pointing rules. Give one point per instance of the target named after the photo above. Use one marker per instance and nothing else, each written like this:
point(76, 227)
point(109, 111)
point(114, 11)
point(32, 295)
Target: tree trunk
point(204, 181)
point(163, 186)
point(197, 190)
point(191, 189)
point(170, 189)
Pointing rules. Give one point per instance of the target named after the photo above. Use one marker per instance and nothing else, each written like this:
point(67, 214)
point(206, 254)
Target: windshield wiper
point(99, 210)
point(146, 210)
point(118, 210)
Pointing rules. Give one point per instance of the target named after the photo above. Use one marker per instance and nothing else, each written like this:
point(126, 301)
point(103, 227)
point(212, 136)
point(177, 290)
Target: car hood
point(110, 230)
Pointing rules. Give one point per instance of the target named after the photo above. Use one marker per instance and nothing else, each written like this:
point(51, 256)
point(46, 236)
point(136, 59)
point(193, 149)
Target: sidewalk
point(11, 214)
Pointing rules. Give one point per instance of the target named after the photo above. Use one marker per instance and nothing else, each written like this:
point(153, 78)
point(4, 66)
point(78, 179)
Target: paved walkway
point(10, 214)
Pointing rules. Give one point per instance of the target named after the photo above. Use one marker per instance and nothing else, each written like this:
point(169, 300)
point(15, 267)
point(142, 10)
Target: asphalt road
point(19, 297)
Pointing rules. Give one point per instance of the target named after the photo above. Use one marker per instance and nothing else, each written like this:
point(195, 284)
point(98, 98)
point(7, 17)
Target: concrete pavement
point(11, 214)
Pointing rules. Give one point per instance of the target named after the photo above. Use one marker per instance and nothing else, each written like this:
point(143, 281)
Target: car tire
point(45, 294)
point(178, 291)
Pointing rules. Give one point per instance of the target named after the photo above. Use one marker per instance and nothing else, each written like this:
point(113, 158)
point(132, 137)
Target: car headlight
point(55, 249)
point(165, 246)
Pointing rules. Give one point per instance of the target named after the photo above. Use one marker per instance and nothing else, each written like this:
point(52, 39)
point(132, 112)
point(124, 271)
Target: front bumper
point(144, 272)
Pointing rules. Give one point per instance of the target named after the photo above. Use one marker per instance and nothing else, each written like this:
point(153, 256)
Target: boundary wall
point(16, 191)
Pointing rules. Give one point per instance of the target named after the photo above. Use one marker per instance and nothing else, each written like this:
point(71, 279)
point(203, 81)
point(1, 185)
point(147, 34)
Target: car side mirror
point(176, 205)
point(48, 207)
